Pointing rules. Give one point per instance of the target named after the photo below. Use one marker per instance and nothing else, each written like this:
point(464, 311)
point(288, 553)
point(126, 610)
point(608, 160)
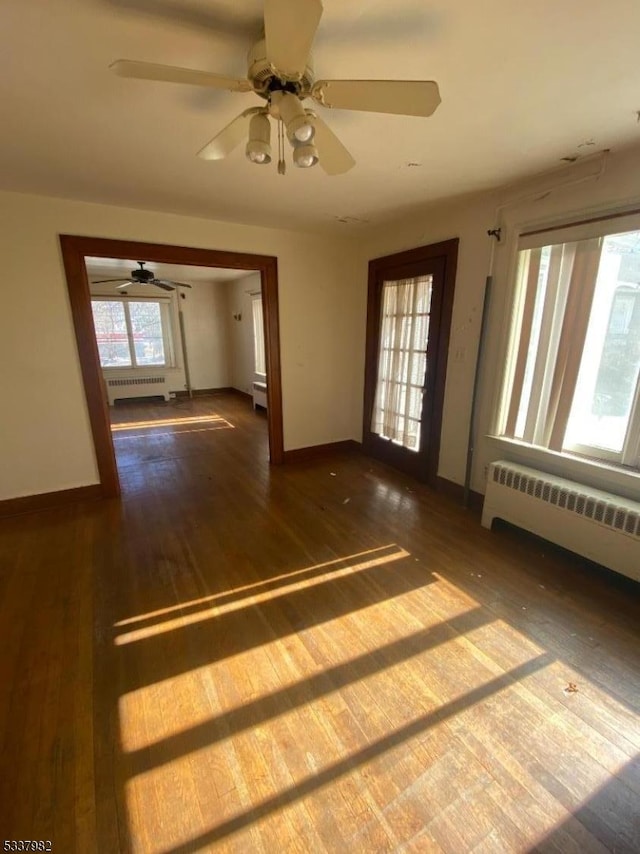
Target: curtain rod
point(580, 222)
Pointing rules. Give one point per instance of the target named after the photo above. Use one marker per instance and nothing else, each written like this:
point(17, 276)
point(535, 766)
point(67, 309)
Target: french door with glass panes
point(409, 313)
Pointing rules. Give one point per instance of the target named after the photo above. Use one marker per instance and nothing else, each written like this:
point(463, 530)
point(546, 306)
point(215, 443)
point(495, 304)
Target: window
point(132, 333)
point(572, 379)
point(258, 336)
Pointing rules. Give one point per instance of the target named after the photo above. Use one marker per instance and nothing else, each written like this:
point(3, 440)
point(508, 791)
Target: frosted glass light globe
point(304, 133)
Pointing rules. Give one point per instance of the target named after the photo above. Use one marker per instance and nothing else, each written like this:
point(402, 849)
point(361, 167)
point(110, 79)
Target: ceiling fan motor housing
point(266, 79)
point(142, 276)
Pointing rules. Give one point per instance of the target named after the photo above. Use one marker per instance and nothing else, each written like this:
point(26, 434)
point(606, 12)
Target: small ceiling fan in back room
point(143, 277)
point(280, 71)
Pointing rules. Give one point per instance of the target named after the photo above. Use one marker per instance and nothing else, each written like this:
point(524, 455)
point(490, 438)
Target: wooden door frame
point(446, 250)
point(75, 249)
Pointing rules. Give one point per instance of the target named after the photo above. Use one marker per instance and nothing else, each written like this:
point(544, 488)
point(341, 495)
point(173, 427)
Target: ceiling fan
point(143, 277)
point(280, 71)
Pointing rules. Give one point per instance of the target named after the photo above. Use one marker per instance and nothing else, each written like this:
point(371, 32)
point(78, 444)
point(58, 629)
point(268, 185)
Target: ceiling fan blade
point(170, 283)
point(400, 97)
point(289, 27)
point(104, 281)
point(172, 74)
point(333, 157)
point(160, 284)
point(229, 137)
point(124, 285)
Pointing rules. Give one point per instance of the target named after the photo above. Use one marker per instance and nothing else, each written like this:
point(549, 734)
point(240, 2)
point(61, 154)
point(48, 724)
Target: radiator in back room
point(119, 388)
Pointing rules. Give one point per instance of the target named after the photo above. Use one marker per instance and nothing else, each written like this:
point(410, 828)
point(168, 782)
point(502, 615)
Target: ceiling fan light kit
point(280, 71)
point(298, 123)
point(305, 154)
point(259, 145)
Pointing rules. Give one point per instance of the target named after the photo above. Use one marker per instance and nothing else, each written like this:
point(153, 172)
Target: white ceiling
point(111, 268)
point(523, 84)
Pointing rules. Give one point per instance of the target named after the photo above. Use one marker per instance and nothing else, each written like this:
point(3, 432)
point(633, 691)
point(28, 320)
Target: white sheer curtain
point(402, 363)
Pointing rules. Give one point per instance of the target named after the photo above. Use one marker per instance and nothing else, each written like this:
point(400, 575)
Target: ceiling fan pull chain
point(282, 166)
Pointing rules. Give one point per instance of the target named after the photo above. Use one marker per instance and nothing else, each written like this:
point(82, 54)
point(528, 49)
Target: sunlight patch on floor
point(372, 557)
point(153, 435)
point(260, 683)
point(170, 422)
point(256, 598)
point(305, 762)
point(307, 754)
point(394, 715)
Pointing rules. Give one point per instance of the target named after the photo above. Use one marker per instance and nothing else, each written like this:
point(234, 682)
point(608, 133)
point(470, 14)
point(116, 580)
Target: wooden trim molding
point(75, 249)
point(314, 451)
point(271, 319)
point(80, 299)
point(50, 500)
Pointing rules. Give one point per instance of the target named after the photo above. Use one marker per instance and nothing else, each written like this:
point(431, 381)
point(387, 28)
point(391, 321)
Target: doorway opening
point(76, 251)
point(409, 310)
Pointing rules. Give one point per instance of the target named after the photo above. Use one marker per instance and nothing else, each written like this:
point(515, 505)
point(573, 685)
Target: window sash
point(629, 455)
point(631, 450)
point(112, 335)
point(550, 322)
point(165, 326)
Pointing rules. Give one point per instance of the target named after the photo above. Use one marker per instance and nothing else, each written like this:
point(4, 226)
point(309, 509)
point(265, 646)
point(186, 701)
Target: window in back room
point(132, 333)
point(258, 336)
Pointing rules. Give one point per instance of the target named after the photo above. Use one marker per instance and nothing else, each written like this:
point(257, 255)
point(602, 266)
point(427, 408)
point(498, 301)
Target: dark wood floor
point(324, 656)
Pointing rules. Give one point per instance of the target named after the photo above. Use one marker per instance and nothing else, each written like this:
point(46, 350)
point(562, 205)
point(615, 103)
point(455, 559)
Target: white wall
point(206, 323)
point(469, 219)
point(45, 441)
point(241, 345)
